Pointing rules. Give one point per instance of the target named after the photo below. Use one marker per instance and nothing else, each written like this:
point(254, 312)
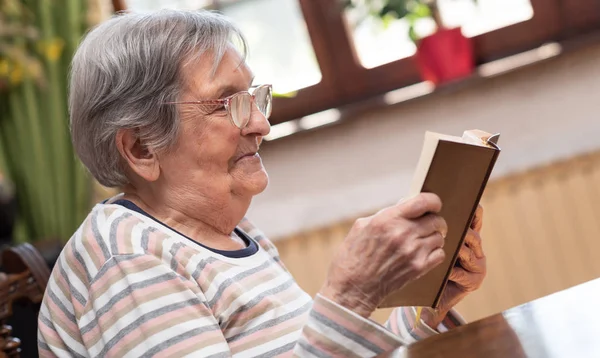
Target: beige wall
point(544, 112)
point(540, 229)
point(540, 236)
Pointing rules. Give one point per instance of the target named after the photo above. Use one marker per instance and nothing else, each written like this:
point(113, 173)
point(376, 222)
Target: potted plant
point(441, 57)
point(37, 41)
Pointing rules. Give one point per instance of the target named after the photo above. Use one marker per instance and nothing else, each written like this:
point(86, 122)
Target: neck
point(207, 220)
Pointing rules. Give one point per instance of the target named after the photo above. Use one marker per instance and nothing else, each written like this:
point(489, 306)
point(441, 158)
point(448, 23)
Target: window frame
point(344, 80)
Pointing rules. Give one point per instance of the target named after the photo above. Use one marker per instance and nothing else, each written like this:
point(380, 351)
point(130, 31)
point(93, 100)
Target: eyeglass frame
point(227, 100)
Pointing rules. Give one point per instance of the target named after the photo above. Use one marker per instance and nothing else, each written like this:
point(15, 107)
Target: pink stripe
point(88, 236)
point(262, 306)
point(229, 291)
point(174, 316)
point(74, 264)
point(48, 333)
point(271, 331)
point(124, 236)
point(121, 268)
point(182, 258)
point(208, 270)
point(77, 307)
point(320, 345)
point(393, 322)
point(58, 316)
point(155, 241)
point(137, 298)
point(341, 319)
point(173, 350)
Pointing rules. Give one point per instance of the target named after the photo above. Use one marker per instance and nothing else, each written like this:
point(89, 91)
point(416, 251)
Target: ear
point(142, 160)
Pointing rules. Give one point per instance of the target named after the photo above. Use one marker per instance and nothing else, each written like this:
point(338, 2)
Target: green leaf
point(412, 34)
point(387, 20)
point(421, 10)
point(384, 11)
point(399, 7)
point(53, 189)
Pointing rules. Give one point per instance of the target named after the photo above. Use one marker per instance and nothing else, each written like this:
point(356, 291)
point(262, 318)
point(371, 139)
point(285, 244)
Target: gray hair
point(123, 72)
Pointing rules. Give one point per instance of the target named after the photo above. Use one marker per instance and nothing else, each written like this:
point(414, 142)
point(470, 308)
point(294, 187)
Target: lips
point(246, 155)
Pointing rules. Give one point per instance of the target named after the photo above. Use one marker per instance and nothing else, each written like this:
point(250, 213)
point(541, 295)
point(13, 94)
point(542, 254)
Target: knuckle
point(360, 224)
point(418, 265)
point(477, 238)
point(415, 204)
point(378, 224)
point(471, 256)
point(409, 228)
point(406, 248)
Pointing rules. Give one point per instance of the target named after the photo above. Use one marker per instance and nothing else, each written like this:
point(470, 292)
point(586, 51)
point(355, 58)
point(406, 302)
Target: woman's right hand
point(383, 252)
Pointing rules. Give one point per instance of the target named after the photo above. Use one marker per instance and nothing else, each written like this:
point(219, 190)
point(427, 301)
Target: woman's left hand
point(466, 276)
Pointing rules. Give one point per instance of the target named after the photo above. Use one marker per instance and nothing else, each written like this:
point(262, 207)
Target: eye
point(210, 108)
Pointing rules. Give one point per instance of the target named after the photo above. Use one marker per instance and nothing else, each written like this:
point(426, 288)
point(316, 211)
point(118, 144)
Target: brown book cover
point(457, 170)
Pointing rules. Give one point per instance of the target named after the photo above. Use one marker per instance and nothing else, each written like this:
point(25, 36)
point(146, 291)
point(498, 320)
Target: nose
point(258, 124)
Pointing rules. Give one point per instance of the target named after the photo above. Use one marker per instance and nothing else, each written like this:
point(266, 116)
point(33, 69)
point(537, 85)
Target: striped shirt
point(126, 285)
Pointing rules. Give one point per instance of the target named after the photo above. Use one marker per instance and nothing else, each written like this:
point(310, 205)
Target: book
point(457, 169)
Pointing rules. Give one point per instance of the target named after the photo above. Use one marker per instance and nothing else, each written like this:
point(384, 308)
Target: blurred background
point(358, 82)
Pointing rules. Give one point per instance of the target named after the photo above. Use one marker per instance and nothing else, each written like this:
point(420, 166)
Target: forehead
point(204, 81)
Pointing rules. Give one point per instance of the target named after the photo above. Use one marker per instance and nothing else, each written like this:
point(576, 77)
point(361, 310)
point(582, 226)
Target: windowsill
point(423, 90)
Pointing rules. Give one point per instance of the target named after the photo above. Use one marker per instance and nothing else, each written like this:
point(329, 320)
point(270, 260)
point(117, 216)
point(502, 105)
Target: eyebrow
point(228, 90)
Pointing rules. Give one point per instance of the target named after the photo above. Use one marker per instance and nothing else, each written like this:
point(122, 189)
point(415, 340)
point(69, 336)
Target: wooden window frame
point(344, 80)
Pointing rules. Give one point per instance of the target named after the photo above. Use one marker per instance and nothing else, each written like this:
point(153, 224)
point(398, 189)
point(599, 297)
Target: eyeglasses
point(239, 105)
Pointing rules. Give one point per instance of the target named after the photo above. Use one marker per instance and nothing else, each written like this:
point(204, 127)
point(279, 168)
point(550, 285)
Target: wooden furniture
point(25, 275)
point(564, 324)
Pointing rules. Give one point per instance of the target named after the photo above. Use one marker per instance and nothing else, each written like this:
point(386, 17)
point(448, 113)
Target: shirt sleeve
point(333, 330)
point(402, 322)
point(137, 306)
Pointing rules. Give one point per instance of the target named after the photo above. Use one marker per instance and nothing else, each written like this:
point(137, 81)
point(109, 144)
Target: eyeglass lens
point(241, 105)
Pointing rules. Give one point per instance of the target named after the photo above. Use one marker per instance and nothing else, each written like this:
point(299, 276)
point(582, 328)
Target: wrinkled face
point(213, 158)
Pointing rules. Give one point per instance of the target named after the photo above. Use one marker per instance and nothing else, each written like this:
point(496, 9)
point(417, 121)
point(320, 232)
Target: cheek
point(215, 145)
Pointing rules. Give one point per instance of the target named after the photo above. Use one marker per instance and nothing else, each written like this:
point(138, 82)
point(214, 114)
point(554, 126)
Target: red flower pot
point(445, 56)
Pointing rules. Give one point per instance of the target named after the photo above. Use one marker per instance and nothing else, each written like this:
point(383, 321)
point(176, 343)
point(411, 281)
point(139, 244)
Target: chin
point(260, 181)
point(253, 184)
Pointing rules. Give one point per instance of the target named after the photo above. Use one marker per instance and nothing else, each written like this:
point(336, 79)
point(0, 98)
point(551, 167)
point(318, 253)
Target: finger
point(434, 241)
point(467, 281)
point(468, 260)
point(473, 241)
point(430, 224)
point(435, 258)
point(430, 253)
point(477, 222)
point(462, 277)
point(419, 205)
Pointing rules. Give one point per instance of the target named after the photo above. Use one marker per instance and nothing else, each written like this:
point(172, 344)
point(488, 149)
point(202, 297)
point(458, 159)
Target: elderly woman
point(163, 106)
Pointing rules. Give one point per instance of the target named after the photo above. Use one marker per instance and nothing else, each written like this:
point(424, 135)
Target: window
point(280, 50)
point(486, 15)
point(150, 5)
point(378, 42)
point(330, 59)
